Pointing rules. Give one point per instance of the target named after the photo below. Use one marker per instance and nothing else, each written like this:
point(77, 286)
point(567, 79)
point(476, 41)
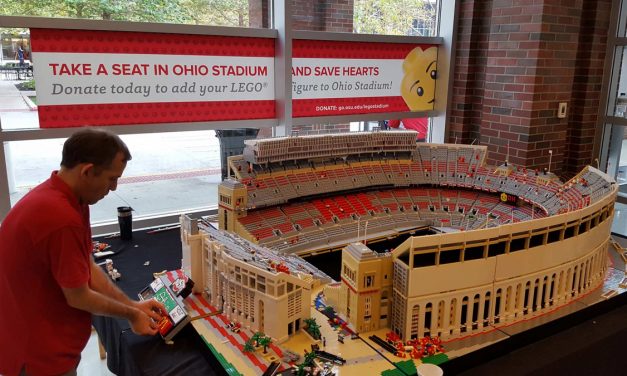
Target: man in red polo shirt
point(421, 125)
point(49, 284)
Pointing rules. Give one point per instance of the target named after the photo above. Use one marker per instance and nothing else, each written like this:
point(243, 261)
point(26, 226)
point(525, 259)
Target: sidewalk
point(11, 99)
point(170, 172)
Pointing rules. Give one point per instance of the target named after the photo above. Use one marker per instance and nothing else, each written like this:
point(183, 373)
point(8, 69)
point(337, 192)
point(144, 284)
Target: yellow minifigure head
point(418, 84)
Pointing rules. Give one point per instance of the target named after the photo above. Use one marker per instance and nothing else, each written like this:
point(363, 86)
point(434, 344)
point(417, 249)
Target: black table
point(130, 354)
point(580, 346)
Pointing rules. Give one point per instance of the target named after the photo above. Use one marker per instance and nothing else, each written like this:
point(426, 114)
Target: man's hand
point(149, 313)
point(153, 308)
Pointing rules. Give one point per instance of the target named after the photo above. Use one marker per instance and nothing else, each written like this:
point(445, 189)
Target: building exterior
point(252, 286)
point(462, 283)
point(366, 288)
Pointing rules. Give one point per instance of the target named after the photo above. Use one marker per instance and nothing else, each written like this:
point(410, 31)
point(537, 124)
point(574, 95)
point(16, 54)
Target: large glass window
point(614, 151)
point(396, 17)
point(193, 12)
point(620, 109)
point(173, 171)
point(11, 40)
point(169, 172)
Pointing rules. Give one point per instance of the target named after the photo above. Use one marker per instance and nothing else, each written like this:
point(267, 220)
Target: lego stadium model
point(498, 245)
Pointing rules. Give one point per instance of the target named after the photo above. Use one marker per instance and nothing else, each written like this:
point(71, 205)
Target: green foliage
point(394, 17)
point(265, 342)
point(257, 336)
point(26, 85)
point(436, 359)
point(309, 358)
point(248, 346)
point(405, 367)
point(313, 328)
point(301, 370)
point(218, 12)
point(208, 12)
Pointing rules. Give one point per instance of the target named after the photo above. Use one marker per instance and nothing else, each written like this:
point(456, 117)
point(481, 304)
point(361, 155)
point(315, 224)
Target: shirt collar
point(62, 187)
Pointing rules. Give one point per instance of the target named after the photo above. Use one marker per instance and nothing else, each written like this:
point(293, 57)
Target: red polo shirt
point(45, 244)
point(418, 124)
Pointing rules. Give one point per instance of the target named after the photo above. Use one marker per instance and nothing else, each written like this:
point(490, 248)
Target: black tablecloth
point(130, 354)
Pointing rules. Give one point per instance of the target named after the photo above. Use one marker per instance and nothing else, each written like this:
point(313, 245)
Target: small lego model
point(162, 290)
point(100, 249)
point(290, 356)
point(327, 356)
point(111, 271)
point(99, 246)
point(294, 197)
point(235, 327)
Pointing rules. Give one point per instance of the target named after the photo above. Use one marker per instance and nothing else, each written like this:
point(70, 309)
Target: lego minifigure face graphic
point(418, 84)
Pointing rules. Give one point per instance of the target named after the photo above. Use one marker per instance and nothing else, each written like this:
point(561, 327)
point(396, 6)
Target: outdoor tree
point(218, 12)
point(177, 11)
point(395, 17)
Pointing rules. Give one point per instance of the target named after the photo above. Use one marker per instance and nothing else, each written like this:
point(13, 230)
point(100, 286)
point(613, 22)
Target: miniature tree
point(301, 370)
point(255, 338)
point(248, 346)
point(313, 328)
point(309, 358)
point(265, 342)
point(309, 321)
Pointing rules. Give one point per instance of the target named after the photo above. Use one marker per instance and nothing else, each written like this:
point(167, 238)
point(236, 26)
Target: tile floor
point(91, 364)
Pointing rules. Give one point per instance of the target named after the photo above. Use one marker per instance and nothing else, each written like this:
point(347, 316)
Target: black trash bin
point(125, 220)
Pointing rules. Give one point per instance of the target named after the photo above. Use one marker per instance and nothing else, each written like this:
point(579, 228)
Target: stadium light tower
point(550, 157)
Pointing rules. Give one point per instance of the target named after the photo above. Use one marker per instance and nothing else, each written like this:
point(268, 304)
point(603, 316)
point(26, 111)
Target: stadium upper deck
point(313, 191)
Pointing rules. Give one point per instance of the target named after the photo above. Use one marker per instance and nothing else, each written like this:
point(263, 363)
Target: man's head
point(93, 160)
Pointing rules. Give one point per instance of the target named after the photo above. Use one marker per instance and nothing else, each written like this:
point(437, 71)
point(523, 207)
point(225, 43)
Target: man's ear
point(86, 168)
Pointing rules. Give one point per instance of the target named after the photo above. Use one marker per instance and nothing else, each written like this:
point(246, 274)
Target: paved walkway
point(11, 99)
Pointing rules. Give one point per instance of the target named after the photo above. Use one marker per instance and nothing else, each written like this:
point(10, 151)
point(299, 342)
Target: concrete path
point(11, 99)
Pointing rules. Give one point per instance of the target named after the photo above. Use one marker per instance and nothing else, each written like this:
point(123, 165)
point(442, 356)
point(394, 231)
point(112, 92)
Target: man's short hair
point(95, 146)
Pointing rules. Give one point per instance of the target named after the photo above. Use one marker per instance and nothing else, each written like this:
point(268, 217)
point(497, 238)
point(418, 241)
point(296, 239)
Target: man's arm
point(103, 284)
point(104, 298)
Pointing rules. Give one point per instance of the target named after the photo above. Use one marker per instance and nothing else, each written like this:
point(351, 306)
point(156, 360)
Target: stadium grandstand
point(312, 192)
point(505, 243)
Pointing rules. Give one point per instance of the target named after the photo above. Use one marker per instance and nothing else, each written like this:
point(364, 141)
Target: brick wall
point(320, 15)
point(258, 14)
point(517, 59)
point(469, 72)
